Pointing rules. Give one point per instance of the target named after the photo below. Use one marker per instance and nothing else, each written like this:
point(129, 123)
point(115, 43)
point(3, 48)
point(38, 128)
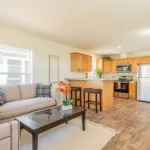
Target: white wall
point(41, 49)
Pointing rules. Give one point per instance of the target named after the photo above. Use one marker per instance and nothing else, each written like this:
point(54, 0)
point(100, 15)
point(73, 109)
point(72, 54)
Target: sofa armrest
point(10, 135)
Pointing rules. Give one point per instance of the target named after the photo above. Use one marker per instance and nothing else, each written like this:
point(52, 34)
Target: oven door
point(121, 89)
point(124, 87)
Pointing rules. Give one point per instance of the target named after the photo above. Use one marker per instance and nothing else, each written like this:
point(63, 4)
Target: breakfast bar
point(105, 84)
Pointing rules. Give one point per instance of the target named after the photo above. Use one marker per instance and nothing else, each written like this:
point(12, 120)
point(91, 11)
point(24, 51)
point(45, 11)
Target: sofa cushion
point(2, 97)
point(28, 90)
point(16, 108)
point(43, 90)
point(12, 92)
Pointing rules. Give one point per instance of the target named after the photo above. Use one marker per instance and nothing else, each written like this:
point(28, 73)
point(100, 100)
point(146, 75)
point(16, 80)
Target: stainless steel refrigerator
point(143, 82)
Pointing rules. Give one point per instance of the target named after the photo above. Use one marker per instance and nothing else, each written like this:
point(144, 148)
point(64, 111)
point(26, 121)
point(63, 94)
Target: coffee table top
point(38, 121)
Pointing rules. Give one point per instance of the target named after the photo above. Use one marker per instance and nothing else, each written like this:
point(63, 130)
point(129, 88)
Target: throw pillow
point(2, 97)
point(43, 90)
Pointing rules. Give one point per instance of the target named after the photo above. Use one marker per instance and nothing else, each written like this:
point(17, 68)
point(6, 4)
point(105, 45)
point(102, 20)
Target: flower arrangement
point(65, 88)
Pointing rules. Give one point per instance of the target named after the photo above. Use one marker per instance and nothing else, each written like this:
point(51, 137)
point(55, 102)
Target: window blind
point(15, 65)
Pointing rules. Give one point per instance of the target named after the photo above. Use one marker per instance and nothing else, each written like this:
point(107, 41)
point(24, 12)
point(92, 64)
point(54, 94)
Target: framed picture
point(53, 68)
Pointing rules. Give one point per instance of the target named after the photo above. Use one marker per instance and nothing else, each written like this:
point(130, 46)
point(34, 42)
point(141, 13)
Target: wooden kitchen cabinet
point(107, 66)
point(113, 69)
point(87, 63)
point(132, 90)
point(143, 60)
point(81, 62)
point(99, 63)
point(133, 65)
point(77, 62)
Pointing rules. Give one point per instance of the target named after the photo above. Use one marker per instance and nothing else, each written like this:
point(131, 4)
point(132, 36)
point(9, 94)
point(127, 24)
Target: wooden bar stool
point(76, 89)
point(96, 102)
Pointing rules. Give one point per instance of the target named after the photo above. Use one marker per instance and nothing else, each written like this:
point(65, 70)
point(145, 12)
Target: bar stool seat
point(76, 89)
point(91, 90)
point(96, 92)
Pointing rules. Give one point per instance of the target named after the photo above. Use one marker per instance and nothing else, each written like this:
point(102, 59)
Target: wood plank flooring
point(131, 119)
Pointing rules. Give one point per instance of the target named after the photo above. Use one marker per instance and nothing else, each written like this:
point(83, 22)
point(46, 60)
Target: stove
point(121, 86)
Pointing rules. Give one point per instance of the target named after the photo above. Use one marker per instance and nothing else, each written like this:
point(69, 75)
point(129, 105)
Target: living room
point(74, 75)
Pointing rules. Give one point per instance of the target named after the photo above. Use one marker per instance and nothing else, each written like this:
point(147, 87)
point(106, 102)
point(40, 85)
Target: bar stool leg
point(80, 99)
point(96, 101)
point(75, 98)
point(84, 99)
point(88, 101)
point(100, 101)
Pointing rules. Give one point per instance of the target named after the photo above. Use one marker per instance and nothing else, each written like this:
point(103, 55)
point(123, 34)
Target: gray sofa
point(21, 99)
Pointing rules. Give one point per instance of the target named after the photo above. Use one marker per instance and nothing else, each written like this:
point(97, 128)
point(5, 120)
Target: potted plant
point(99, 72)
point(65, 88)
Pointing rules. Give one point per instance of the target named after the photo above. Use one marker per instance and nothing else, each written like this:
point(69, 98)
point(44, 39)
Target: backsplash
point(115, 76)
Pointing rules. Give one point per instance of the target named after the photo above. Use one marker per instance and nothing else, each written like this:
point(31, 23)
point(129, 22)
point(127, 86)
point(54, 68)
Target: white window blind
point(93, 73)
point(15, 65)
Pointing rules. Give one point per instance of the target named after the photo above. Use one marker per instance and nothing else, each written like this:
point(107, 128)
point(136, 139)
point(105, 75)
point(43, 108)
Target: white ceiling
point(97, 25)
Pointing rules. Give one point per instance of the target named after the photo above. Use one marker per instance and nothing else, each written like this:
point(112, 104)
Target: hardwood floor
point(131, 119)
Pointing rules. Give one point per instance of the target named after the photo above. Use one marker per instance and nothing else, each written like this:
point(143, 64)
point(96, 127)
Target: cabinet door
point(85, 63)
point(107, 66)
point(73, 62)
point(134, 65)
point(113, 70)
point(80, 63)
point(89, 63)
point(143, 60)
point(99, 63)
point(132, 90)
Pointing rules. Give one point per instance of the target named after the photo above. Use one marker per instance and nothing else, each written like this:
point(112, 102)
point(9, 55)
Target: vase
point(100, 76)
point(69, 107)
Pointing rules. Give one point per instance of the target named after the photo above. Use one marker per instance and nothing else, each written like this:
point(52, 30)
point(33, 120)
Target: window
point(96, 63)
point(15, 65)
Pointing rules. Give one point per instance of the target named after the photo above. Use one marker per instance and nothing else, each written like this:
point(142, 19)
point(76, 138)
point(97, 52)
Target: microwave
point(123, 68)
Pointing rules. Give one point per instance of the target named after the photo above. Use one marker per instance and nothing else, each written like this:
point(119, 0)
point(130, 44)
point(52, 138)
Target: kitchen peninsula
point(104, 84)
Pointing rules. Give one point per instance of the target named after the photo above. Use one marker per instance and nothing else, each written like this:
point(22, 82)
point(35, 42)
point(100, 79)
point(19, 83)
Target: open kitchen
point(122, 78)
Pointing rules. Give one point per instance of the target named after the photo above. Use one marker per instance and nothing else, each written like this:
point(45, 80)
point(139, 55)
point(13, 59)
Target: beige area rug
point(71, 137)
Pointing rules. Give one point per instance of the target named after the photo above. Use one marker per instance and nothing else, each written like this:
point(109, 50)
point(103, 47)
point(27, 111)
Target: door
point(143, 92)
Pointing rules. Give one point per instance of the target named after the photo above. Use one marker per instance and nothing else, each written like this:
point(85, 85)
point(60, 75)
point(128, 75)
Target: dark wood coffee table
point(43, 120)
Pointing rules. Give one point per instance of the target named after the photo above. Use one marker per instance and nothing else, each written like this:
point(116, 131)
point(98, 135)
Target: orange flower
point(58, 90)
point(65, 89)
point(60, 83)
point(64, 83)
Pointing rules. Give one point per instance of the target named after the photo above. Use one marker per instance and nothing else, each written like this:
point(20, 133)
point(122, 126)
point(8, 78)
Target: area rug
point(71, 137)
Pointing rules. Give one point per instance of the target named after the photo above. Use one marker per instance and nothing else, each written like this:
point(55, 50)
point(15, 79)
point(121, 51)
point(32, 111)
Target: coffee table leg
point(83, 121)
point(34, 141)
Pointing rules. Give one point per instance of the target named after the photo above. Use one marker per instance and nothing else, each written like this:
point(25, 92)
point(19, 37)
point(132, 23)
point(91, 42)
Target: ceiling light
point(119, 47)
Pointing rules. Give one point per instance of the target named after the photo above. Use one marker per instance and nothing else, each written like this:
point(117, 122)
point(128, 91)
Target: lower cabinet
point(132, 90)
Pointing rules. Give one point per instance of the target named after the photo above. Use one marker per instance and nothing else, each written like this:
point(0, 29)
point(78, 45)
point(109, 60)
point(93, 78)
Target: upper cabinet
point(113, 69)
point(107, 66)
point(143, 60)
point(133, 64)
point(81, 62)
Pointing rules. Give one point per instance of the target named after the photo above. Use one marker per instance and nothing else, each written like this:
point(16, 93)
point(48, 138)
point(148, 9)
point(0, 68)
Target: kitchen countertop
point(95, 79)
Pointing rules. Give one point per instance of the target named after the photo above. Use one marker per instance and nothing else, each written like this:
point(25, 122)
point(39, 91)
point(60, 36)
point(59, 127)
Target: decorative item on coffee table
point(65, 88)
